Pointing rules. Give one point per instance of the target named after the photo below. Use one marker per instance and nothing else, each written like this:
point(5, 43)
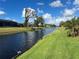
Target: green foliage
point(72, 25)
point(39, 21)
point(50, 25)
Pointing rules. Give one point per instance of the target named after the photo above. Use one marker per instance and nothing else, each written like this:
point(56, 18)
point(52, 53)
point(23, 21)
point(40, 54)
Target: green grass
point(54, 46)
point(11, 30)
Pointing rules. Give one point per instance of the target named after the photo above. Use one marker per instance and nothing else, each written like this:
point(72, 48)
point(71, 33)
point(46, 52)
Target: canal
point(11, 45)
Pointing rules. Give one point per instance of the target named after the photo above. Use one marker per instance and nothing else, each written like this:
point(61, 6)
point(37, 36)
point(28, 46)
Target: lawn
point(11, 30)
point(54, 46)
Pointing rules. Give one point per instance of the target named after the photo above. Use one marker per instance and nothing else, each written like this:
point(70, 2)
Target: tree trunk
point(26, 21)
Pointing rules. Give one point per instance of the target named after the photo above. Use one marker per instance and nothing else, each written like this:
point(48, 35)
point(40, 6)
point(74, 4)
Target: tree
point(28, 14)
point(61, 23)
point(39, 21)
point(73, 26)
point(67, 24)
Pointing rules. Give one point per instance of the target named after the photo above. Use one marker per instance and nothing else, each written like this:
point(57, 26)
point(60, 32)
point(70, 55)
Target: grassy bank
point(11, 30)
point(54, 46)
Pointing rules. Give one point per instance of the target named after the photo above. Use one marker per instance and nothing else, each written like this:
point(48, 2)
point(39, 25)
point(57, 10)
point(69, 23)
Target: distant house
point(9, 23)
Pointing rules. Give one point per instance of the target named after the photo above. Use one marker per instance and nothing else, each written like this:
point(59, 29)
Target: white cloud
point(48, 18)
point(8, 18)
point(2, 12)
point(59, 19)
point(40, 11)
point(14, 20)
point(56, 3)
point(69, 12)
point(23, 12)
point(76, 2)
point(40, 3)
point(52, 20)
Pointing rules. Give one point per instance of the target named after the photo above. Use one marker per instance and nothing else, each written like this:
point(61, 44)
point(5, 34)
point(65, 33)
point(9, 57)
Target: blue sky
point(53, 11)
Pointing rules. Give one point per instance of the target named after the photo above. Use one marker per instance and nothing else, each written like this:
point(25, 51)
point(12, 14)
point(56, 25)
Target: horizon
point(53, 11)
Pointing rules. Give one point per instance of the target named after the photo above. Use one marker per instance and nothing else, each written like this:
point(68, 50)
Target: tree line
point(72, 25)
point(28, 13)
point(9, 23)
point(38, 20)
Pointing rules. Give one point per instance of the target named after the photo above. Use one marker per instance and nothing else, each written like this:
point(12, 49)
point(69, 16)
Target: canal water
point(11, 45)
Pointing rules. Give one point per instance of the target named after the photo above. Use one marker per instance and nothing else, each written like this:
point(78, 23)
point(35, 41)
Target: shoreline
point(13, 30)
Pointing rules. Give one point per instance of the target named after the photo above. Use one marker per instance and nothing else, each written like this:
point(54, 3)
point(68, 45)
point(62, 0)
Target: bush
point(73, 32)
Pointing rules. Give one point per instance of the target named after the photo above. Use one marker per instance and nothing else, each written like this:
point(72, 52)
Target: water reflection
point(11, 44)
